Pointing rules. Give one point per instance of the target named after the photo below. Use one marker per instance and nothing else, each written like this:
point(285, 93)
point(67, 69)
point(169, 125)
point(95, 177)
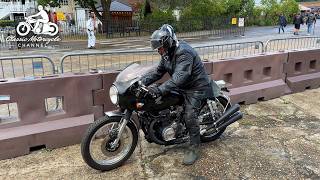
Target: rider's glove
point(154, 91)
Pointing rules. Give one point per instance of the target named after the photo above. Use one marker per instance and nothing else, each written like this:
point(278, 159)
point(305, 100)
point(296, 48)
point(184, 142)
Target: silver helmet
point(164, 37)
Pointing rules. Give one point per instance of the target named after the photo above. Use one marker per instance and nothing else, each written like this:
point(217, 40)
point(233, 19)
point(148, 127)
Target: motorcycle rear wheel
point(96, 146)
point(215, 134)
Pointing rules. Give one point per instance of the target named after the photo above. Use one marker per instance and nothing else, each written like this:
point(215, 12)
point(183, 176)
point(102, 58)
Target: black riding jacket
point(185, 68)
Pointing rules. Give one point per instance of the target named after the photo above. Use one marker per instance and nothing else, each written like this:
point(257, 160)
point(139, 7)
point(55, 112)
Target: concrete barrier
point(253, 78)
point(36, 126)
point(303, 70)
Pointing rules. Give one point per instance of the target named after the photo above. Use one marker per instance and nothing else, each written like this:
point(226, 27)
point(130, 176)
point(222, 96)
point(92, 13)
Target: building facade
point(16, 9)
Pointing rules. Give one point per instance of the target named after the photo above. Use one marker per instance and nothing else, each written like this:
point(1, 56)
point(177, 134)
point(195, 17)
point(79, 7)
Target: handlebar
point(143, 89)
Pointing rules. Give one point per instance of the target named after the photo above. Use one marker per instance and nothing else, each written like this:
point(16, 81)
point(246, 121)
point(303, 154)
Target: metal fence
point(222, 51)
point(4, 33)
point(103, 61)
point(292, 43)
point(124, 27)
point(26, 66)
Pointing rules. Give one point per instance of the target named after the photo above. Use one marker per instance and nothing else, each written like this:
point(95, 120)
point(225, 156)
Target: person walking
point(90, 31)
point(282, 22)
point(297, 21)
point(311, 21)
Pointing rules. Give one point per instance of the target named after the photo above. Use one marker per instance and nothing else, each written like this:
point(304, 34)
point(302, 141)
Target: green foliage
point(204, 8)
point(157, 18)
point(289, 8)
point(7, 23)
point(247, 8)
point(271, 9)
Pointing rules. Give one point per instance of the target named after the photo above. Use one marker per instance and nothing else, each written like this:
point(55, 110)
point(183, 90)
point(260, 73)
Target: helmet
point(163, 37)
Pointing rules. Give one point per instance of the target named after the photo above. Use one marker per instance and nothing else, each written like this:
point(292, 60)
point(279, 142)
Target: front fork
point(122, 124)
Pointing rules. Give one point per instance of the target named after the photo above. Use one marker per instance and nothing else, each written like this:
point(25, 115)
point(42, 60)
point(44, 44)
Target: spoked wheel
point(23, 29)
point(208, 120)
point(98, 147)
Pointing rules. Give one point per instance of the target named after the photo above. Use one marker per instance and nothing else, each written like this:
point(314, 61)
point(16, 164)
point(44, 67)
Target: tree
point(289, 8)
point(105, 17)
point(247, 7)
point(146, 8)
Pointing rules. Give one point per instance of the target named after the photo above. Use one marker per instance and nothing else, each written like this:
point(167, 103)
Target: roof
point(116, 6)
point(303, 8)
point(310, 4)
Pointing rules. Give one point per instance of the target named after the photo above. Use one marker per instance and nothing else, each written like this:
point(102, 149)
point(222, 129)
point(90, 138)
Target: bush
point(157, 19)
point(5, 23)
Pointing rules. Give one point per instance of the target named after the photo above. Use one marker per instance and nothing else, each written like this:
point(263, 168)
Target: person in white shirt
point(44, 18)
point(90, 31)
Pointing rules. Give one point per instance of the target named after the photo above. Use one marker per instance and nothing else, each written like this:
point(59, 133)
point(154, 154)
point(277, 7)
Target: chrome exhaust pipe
point(225, 116)
point(235, 117)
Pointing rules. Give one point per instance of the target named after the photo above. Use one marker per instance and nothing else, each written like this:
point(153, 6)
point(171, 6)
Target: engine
point(168, 125)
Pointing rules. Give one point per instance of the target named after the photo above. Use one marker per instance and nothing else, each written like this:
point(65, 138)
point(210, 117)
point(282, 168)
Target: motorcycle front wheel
point(98, 149)
point(23, 29)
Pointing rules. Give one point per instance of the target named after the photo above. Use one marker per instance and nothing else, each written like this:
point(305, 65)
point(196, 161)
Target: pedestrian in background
point(90, 31)
point(297, 21)
point(282, 22)
point(311, 21)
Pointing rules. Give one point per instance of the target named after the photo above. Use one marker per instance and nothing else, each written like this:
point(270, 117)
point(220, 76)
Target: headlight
point(114, 95)
point(221, 83)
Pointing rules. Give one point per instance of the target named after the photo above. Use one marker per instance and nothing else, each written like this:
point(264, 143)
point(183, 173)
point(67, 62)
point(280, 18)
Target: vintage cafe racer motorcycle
point(111, 140)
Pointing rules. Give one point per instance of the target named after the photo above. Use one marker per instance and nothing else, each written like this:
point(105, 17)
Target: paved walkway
point(277, 139)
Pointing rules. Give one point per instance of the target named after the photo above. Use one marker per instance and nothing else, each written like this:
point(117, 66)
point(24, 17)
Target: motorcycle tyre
point(23, 33)
point(85, 143)
point(56, 29)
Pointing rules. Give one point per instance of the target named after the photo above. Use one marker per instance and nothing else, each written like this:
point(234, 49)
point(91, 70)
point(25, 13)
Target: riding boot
point(191, 155)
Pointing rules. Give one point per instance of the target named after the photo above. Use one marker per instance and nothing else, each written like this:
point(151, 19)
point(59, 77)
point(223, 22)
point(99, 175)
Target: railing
point(102, 61)
point(292, 43)
point(222, 51)
point(26, 66)
point(125, 27)
point(4, 32)
point(116, 60)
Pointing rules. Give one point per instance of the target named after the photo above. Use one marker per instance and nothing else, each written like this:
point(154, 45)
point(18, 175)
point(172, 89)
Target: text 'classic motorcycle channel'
point(111, 140)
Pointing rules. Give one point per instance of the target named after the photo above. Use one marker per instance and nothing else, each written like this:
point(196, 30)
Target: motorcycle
point(24, 28)
point(111, 140)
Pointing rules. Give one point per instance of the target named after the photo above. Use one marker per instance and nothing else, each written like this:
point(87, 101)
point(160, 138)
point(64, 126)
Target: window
point(63, 2)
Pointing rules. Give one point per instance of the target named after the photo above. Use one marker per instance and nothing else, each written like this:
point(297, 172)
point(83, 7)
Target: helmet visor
point(155, 43)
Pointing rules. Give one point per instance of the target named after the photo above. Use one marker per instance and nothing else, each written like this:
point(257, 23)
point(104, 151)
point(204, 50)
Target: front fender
point(119, 114)
point(114, 114)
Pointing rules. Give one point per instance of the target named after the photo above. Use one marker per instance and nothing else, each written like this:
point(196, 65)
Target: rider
point(188, 76)
point(44, 17)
